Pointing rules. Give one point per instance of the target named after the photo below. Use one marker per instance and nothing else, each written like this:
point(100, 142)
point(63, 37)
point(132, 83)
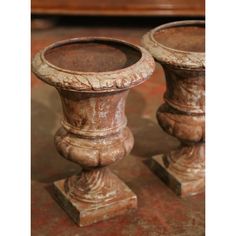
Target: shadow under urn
point(180, 48)
point(93, 77)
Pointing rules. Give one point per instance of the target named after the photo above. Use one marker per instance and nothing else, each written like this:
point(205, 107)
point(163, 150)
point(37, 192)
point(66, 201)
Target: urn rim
point(171, 56)
point(118, 79)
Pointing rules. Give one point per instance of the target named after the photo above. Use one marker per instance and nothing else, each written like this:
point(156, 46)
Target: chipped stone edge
point(169, 56)
point(92, 81)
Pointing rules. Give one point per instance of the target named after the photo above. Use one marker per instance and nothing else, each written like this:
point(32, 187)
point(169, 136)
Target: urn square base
point(84, 213)
point(177, 183)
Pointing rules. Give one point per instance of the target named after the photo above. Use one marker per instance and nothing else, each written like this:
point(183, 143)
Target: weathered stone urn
point(93, 77)
point(180, 48)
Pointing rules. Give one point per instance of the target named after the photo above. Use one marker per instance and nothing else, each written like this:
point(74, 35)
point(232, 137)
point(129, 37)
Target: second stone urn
point(93, 77)
point(180, 48)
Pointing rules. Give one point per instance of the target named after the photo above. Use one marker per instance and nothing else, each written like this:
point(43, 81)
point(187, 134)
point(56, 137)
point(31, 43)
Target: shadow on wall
point(46, 164)
point(149, 138)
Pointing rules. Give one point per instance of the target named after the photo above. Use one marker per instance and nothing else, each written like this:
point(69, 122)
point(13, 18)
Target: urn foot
point(116, 198)
point(183, 170)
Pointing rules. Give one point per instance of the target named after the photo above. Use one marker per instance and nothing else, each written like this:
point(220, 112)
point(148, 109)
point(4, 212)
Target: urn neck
point(93, 115)
point(185, 89)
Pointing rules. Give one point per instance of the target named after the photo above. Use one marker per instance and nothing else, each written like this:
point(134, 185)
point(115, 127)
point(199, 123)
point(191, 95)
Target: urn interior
point(188, 37)
point(93, 55)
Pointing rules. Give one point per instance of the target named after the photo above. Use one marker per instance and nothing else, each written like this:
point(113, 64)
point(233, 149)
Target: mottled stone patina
point(180, 48)
point(93, 76)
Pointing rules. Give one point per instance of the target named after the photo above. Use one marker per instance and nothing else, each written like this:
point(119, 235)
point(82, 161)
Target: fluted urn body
point(180, 48)
point(93, 77)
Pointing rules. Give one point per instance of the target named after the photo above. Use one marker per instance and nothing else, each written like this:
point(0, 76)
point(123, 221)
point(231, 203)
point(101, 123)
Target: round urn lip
point(83, 81)
point(187, 59)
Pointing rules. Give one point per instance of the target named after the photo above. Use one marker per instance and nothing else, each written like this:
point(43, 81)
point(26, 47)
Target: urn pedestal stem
point(93, 77)
point(179, 47)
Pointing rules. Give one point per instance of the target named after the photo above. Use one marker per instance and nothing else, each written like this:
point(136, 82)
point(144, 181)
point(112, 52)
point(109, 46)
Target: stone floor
point(160, 212)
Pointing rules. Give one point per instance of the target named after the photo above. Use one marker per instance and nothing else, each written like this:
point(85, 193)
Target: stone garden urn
point(180, 48)
point(93, 77)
